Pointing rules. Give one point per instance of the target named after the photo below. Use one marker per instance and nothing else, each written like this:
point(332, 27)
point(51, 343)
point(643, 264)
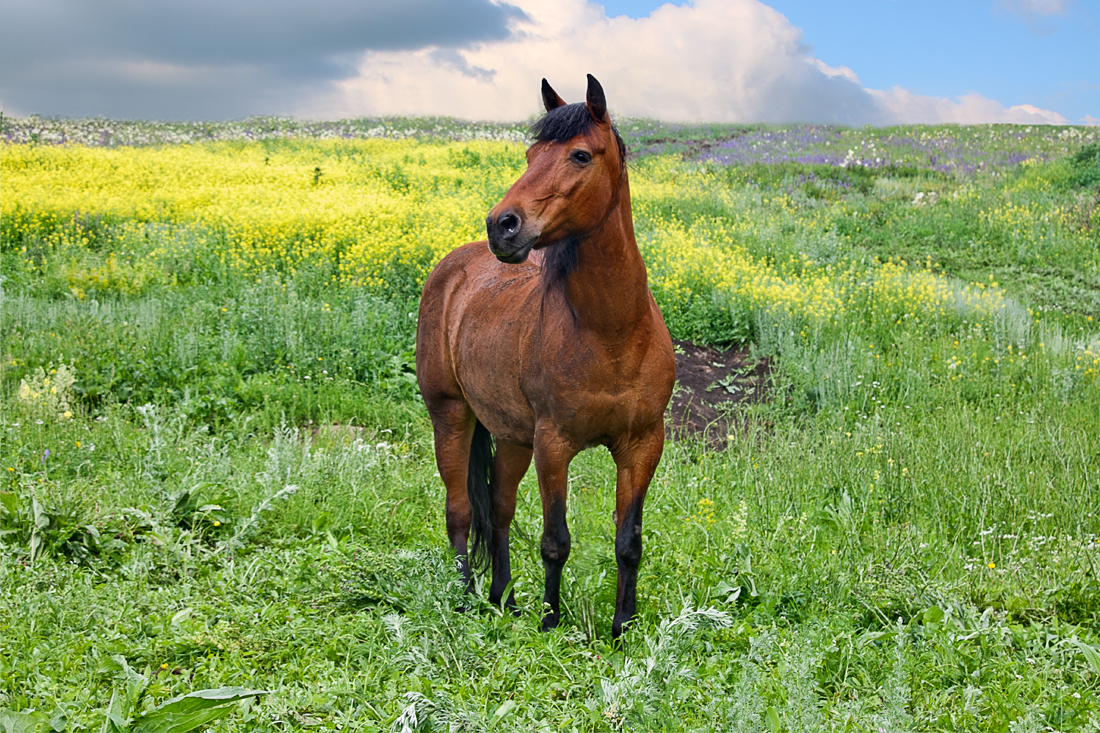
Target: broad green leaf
point(1092, 656)
point(13, 722)
point(169, 722)
point(933, 615)
point(870, 637)
point(36, 545)
point(9, 502)
point(59, 721)
point(135, 681)
point(506, 707)
point(771, 717)
point(41, 518)
point(188, 712)
point(115, 721)
point(732, 592)
point(181, 616)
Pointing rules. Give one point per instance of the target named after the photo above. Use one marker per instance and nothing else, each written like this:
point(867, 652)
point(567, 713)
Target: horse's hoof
point(550, 621)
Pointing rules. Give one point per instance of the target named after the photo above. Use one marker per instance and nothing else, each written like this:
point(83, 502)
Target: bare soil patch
point(709, 385)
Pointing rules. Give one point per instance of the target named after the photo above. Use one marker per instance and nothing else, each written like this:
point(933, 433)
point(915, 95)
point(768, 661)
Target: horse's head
point(573, 180)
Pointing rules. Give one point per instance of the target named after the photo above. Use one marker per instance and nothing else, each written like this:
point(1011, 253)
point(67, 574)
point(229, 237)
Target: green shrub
point(1086, 167)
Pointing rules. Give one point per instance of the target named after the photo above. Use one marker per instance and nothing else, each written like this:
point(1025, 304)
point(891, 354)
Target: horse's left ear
point(597, 103)
point(550, 98)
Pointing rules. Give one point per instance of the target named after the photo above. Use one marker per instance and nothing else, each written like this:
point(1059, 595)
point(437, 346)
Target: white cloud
point(827, 70)
point(735, 60)
point(970, 109)
point(1029, 8)
point(1034, 12)
point(715, 60)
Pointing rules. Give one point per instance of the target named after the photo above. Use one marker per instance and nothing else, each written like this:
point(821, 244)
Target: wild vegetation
point(217, 472)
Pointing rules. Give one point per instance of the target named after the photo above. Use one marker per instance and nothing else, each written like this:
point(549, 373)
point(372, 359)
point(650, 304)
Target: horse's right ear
point(550, 98)
point(595, 99)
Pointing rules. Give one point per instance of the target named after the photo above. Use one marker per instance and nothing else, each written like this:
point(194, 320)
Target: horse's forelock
point(565, 123)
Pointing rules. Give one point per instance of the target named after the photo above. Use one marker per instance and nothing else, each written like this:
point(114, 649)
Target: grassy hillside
point(217, 471)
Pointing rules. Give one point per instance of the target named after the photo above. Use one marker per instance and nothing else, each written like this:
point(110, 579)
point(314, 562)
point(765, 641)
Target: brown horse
point(549, 341)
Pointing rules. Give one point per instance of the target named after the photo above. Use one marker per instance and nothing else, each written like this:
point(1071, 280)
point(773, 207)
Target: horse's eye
point(581, 157)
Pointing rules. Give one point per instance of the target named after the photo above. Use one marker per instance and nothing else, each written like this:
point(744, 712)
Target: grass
point(905, 537)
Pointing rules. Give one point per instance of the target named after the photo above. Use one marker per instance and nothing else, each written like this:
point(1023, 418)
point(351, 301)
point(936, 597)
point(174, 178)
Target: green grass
point(904, 537)
point(316, 568)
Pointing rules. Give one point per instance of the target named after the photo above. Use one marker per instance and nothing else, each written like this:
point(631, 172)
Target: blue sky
point(947, 49)
point(859, 62)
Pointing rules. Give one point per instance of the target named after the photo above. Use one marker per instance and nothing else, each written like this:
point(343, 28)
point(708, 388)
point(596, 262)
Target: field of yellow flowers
point(215, 470)
point(379, 213)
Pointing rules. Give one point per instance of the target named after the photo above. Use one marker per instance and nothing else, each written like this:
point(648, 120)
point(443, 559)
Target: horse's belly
point(501, 408)
point(489, 366)
point(604, 418)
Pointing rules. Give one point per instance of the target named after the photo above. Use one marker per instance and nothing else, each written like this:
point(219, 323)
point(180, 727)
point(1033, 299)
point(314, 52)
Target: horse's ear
point(550, 98)
point(597, 103)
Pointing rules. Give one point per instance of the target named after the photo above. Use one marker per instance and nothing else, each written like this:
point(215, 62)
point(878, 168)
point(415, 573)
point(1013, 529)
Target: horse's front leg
point(453, 424)
point(636, 461)
point(512, 462)
point(552, 456)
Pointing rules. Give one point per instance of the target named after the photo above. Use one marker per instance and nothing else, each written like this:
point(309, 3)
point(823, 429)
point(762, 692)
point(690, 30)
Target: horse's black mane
point(565, 123)
point(559, 262)
point(562, 124)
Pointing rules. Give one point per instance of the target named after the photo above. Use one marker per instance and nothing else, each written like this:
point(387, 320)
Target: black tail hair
point(481, 487)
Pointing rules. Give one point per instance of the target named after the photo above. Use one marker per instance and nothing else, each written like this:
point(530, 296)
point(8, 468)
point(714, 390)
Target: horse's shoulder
point(462, 256)
point(454, 267)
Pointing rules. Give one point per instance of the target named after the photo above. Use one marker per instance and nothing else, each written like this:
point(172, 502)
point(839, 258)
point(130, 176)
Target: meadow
point(217, 471)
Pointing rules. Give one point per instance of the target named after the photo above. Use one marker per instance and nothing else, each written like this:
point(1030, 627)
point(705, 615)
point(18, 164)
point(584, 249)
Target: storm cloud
point(716, 60)
point(212, 59)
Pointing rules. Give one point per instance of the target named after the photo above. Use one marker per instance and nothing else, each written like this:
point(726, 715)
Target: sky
point(858, 62)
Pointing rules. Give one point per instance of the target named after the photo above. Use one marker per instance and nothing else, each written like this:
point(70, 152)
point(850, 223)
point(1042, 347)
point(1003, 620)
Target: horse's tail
point(480, 484)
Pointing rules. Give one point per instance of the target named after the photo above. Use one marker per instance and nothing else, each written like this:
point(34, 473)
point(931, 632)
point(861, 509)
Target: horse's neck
point(608, 290)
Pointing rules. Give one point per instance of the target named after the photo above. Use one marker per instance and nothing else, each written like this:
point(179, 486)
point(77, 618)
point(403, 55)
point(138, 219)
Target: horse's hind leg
point(453, 424)
point(512, 462)
point(635, 467)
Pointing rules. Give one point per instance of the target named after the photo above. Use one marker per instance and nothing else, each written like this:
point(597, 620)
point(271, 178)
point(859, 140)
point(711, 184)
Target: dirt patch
point(708, 384)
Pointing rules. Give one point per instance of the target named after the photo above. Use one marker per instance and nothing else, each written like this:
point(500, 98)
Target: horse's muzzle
point(508, 240)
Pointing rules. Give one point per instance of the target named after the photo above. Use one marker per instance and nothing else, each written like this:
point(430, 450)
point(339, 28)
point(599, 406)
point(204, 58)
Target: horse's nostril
point(509, 223)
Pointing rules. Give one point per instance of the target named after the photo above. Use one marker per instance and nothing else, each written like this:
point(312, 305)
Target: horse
point(541, 342)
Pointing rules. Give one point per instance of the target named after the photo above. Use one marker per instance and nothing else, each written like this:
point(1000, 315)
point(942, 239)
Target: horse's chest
point(593, 403)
